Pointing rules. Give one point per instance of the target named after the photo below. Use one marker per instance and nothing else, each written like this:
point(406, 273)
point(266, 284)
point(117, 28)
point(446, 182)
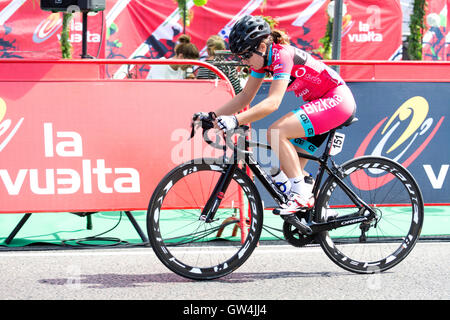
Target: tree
point(416, 27)
point(66, 47)
point(186, 16)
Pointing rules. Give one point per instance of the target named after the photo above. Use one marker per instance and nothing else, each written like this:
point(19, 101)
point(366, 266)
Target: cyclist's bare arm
point(241, 100)
point(266, 106)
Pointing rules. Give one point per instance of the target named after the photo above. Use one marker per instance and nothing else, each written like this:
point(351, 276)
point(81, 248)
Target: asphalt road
point(274, 272)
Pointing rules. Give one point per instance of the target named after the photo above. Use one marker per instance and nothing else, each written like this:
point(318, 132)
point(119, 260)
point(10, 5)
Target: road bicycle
point(205, 217)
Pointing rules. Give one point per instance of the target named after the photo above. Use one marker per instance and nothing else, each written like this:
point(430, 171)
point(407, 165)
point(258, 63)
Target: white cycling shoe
point(295, 203)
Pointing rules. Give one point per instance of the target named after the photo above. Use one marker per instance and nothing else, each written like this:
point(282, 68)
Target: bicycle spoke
point(184, 242)
point(390, 191)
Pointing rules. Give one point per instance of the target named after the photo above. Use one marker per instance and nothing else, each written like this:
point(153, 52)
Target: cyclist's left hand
point(227, 123)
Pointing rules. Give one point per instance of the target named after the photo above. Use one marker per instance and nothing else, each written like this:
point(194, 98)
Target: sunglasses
point(246, 55)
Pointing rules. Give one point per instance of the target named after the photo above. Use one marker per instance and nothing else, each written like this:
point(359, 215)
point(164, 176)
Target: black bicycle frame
point(217, 195)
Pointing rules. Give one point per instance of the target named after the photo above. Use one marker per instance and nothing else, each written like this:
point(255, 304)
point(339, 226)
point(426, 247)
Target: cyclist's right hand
point(202, 119)
point(198, 116)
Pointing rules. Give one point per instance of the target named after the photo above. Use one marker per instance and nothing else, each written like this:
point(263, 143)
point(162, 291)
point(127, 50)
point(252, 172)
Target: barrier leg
point(88, 216)
point(219, 232)
point(17, 228)
point(89, 222)
point(136, 226)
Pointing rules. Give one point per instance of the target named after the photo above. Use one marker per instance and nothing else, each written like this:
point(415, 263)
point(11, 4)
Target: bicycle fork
point(218, 194)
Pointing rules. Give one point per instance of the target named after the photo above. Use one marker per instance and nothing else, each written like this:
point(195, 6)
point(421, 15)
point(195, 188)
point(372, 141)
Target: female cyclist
point(329, 102)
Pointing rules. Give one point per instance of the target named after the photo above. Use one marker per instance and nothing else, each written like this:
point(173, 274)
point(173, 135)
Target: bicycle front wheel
point(190, 246)
point(381, 243)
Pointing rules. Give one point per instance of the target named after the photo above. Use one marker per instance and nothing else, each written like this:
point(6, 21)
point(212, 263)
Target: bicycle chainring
point(294, 237)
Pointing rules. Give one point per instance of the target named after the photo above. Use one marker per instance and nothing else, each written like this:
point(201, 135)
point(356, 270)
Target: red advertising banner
point(434, 39)
point(28, 32)
point(447, 37)
point(150, 28)
point(85, 145)
point(372, 30)
point(93, 146)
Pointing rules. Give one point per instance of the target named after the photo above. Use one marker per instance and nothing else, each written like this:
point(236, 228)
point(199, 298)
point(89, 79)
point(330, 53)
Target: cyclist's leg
point(286, 128)
point(311, 119)
point(308, 146)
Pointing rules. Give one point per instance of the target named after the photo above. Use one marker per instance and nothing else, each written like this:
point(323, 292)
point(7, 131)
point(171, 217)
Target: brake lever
point(206, 124)
point(192, 130)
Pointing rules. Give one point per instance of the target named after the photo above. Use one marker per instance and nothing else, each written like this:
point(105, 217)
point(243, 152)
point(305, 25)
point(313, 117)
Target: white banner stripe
point(10, 9)
point(263, 249)
point(306, 14)
point(115, 11)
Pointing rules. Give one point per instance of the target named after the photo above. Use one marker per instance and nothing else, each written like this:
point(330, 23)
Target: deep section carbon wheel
point(385, 240)
point(182, 239)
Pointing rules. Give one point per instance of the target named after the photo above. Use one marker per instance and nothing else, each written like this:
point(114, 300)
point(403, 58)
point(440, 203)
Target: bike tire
point(383, 242)
point(191, 247)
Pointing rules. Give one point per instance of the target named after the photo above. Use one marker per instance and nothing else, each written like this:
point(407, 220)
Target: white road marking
point(265, 249)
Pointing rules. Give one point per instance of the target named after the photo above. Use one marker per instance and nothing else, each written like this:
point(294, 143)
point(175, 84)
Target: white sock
point(296, 184)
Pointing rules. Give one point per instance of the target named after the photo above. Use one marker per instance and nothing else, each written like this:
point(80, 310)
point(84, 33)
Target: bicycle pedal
point(302, 227)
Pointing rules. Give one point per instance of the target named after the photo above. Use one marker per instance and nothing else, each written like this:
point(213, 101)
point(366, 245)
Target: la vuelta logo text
point(7, 128)
point(49, 26)
point(408, 129)
point(94, 176)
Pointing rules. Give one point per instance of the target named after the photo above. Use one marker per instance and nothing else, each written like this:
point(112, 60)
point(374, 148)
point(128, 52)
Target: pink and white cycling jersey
point(309, 78)
point(330, 102)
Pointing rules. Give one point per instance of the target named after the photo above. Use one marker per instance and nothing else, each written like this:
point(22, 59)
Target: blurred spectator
point(183, 50)
point(214, 43)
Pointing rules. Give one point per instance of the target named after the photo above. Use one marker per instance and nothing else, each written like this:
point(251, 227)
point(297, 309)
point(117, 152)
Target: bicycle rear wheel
point(381, 243)
point(194, 248)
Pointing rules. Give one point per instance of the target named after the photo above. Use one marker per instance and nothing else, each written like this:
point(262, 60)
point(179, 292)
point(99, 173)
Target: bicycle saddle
point(348, 122)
